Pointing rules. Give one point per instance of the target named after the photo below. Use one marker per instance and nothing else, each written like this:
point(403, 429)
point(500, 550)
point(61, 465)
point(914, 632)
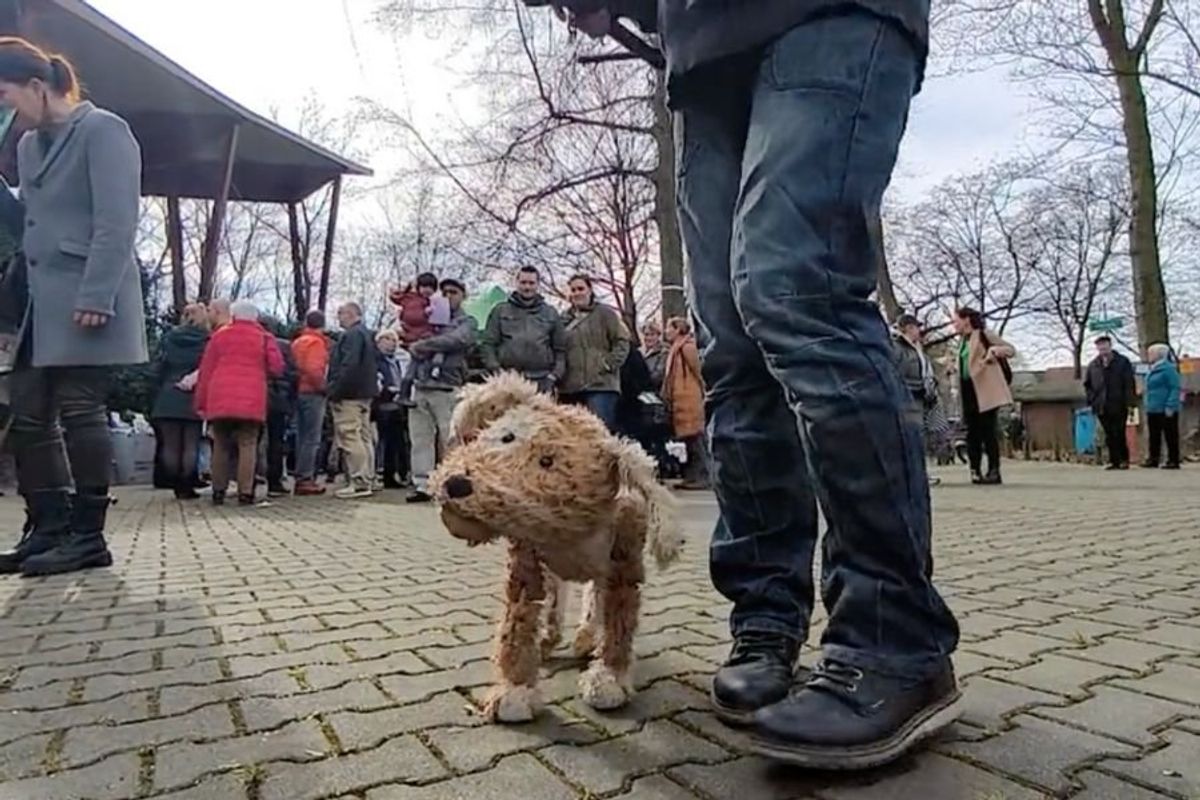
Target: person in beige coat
point(984, 378)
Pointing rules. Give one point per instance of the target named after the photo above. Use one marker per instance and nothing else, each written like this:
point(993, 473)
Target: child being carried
point(422, 313)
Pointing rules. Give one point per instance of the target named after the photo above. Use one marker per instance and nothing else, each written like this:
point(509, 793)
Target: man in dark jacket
point(526, 335)
point(789, 114)
point(1111, 392)
point(353, 383)
point(436, 388)
point(281, 406)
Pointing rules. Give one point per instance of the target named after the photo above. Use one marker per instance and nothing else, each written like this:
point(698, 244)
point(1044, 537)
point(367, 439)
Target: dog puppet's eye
point(546, 461)
point(508, 438)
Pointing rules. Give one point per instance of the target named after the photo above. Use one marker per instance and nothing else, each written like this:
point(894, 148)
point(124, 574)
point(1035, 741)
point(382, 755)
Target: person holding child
point(422, 313)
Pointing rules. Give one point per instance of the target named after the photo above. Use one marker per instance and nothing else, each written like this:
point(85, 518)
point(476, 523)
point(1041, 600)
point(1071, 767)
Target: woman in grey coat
point(80, 181)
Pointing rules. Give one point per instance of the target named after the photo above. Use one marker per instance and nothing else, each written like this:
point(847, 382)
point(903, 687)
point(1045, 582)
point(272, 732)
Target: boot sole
point(97, 561)
point(733, 717)
point(862, 757)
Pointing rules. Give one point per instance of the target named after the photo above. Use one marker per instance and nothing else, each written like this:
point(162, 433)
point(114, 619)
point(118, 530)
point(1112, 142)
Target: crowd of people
point(371, 410)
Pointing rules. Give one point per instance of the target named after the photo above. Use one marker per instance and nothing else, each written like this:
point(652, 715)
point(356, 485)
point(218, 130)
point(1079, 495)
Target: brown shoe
point(308, 489)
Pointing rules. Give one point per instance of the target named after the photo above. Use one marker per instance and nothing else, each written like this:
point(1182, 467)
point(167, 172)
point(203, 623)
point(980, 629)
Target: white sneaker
point(353, 492)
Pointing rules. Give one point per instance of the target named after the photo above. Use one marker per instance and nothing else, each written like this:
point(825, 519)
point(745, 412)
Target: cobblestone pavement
point(322, 649)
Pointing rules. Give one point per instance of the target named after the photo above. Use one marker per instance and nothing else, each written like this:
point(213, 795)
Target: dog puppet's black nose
point(458, 486)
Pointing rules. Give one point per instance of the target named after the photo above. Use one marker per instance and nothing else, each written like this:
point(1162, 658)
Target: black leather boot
point(83, 547)
point(47, 521)
point(846, 718)
point(759, 672)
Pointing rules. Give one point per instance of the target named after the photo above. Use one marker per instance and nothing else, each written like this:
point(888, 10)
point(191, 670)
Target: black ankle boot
point(83, 547)
point(992, 478)
point(47, 520)
point(846, 718)
point(759, 672)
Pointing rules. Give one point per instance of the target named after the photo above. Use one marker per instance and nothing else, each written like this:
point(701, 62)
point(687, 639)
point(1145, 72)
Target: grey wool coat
point(81, 198)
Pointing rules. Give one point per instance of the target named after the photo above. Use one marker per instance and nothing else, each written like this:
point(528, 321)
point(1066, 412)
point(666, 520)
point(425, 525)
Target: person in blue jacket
point(1162, 398)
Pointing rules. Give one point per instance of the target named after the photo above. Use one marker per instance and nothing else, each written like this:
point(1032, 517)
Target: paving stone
point(1016, 646)
point(1098, 786)
point(359, 730)
point(985, 625)
point(1077, 630)
point(470, 749)
point(402, 759)
point(1120, 714)
point(322, 676)
point(229, 786)
point(930, 775)
point(1038, 751)
point(1172, 681)
point(1175, 769)
point(177, 699)
point(656, 787)
point(1131, 616)
point(1120, 652)
point(604, 767)
point(40, 676)
point(179, 765)
point(88, 743)
point(1065, 676)
point(22, 758)
point(1170, 634)
point(103, 687)
point(518, 776)
point(407, 688)
point(660, 700)
point(244, 665)
point(457, 656)
point(113, 778)
point(745, 778)
point(987, 702)
point(43, 697)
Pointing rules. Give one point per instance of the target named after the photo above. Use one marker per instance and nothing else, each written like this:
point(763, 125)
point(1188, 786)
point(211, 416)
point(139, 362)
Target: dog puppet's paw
point(602, 689)
point(507, 703)
point(548, 644)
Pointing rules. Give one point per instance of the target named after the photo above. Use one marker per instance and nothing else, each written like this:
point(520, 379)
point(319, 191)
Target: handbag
point(1005, 368)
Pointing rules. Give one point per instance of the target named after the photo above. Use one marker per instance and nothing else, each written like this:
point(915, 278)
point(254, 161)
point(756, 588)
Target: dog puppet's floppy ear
point(640, 496)
point(481, 404)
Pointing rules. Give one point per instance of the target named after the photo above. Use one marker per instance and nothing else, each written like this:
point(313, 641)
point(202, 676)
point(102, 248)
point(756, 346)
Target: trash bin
point(1085, 431)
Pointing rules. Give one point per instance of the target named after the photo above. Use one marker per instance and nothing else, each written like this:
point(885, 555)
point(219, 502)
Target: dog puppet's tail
point(639, 487)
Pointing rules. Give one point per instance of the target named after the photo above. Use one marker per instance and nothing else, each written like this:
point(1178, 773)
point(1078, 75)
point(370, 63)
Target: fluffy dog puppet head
point(553, 475)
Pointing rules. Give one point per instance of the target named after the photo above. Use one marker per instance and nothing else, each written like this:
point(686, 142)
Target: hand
point(91, 319)
point(994, 353)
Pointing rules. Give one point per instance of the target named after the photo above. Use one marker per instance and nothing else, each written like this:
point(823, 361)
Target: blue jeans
point(781, 166)
point(310, 422)
point(602, 404)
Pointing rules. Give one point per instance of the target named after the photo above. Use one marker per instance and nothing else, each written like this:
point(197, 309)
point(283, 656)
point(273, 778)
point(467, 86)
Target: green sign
point(1106, 325)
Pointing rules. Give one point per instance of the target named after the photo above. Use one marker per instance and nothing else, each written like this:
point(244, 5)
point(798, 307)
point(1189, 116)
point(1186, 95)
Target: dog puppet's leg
point(515, 697)
point(587, 635)
point(556, 612)
point(608, 682)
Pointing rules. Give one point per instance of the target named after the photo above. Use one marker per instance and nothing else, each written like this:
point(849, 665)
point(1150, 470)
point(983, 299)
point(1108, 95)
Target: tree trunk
point(1149, 295)
point(670, 242)
point(885, 290)
point(301, 288)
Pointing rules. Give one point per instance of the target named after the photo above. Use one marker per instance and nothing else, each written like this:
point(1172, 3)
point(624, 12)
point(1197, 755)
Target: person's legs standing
point(695, 472)
point(442, 403)
point(604, 406)
point(246, 437)
point(369, 442)
point(1114, 438)
point(423, 432)
point(973, 421)
point(222, 453)
point(310, 424)
point(1154, 435)
point(829, 110)
point(189, 458)
point(277, 425)
point(1171, 433)
point(761, 553)
point(43, 478)
point(348, 422)
point(989, 431)
point(168, 435)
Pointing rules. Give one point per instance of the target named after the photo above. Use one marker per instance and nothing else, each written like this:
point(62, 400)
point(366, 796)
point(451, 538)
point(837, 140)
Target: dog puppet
point(574, 503)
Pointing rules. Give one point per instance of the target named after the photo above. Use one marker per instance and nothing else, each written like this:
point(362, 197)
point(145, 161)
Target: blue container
point(1085, 431)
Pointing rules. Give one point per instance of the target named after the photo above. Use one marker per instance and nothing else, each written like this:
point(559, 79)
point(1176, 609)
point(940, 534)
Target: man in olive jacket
point(789, 115)
point(526, 335)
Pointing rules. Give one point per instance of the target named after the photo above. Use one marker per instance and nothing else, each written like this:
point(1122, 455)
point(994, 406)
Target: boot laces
point(834, 676)
point(757, 646)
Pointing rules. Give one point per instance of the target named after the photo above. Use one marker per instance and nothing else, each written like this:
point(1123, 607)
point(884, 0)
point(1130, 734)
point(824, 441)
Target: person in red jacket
point(231, 394)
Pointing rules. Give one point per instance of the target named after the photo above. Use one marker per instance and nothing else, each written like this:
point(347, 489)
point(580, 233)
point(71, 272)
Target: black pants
point(178, 446)
point(50, 404)
point(981, 431)
point(1113, 423)
point(1163, 427)
point(394, 444)
point(277, 425)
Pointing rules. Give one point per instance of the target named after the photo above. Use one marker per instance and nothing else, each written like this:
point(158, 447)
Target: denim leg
point(828, 113)
point(762, 548)
point(310, 421)
point(604, 406)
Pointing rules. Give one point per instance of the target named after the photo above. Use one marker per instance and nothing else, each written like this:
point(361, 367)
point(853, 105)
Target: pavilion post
point(175, 245)
point(216, 224)
point(301, 285)
point(327, 262)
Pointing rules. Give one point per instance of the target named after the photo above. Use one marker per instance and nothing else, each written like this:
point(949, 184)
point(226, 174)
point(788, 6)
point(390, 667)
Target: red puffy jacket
point(237, 363)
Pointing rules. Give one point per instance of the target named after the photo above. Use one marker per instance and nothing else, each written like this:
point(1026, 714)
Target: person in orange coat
point(311, 351)
point(683, 392)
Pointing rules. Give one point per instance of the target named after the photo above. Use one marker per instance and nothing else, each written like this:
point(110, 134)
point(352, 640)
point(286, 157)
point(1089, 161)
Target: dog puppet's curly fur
point(574, 503)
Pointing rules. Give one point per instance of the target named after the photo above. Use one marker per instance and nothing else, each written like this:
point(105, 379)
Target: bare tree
point(1090, 60)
